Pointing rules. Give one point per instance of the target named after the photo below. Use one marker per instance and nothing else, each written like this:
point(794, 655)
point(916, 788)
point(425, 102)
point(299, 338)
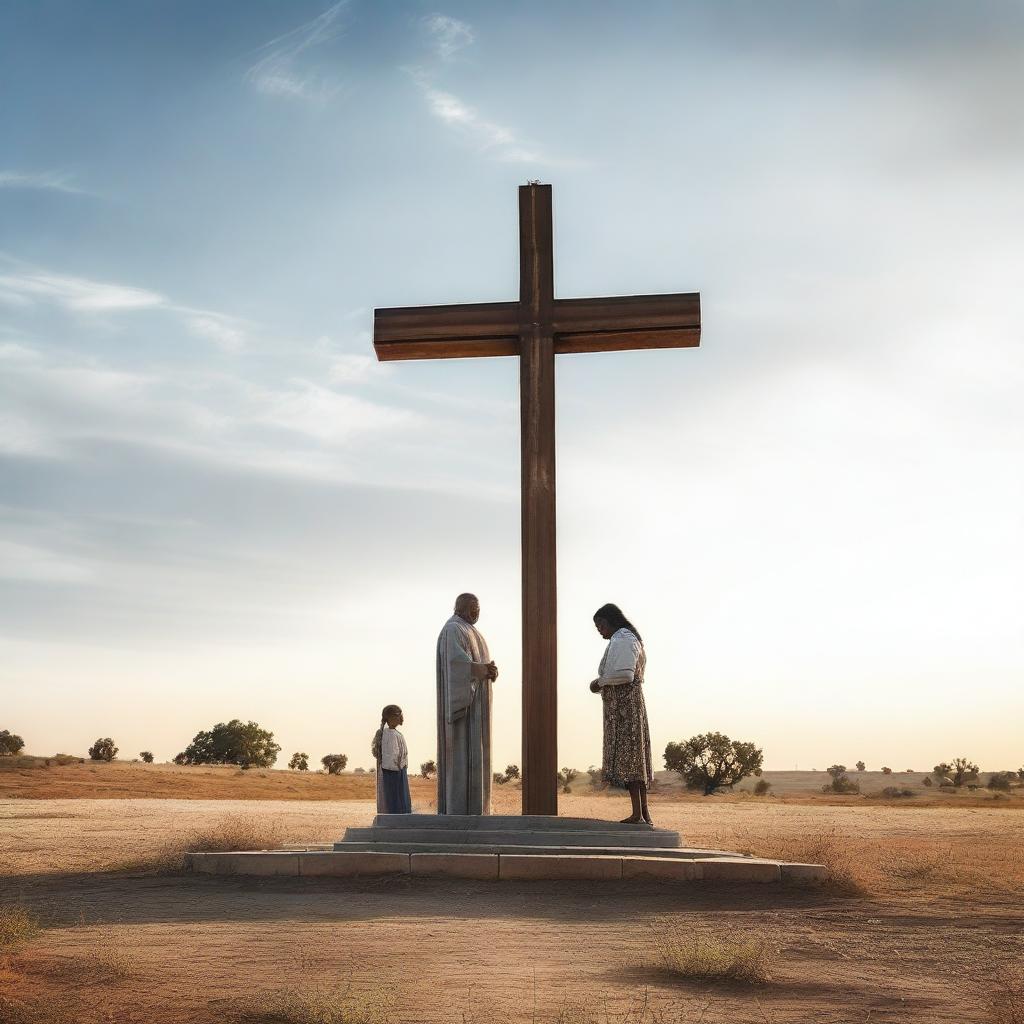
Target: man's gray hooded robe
point(463, 721)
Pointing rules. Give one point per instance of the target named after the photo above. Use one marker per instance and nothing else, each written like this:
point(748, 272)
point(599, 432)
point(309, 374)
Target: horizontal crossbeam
point(579, 325)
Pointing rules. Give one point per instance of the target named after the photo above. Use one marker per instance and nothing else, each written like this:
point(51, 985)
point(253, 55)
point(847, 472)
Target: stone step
point(538, 837)
point(511, 823)
point(471, 848)
point(517, 866)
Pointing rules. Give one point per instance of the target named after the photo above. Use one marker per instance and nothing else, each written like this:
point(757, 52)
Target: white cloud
point(277, 73)
point(77, 293)
point(449, 34)
point(221, 330)
point(488, 137)
point(27, 287)
point(46, 180)
point(351, 367)
point(25, 562)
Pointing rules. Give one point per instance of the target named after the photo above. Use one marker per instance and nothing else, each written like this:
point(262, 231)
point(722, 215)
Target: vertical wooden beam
point(537, 411)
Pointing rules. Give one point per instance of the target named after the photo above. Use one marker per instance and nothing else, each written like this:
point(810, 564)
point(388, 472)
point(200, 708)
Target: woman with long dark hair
point(627, 737)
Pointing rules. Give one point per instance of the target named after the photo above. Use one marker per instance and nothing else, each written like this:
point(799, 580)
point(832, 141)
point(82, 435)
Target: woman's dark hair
point(612, 614)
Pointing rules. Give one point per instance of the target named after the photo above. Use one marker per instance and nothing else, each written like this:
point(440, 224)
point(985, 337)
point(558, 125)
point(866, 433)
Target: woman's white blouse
point(623, 660)
point(394, 754)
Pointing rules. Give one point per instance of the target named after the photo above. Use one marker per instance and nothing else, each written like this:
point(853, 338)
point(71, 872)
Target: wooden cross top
point(537, 328)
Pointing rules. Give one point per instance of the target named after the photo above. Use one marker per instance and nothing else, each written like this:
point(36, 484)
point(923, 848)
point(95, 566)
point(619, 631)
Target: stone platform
point(506, 847)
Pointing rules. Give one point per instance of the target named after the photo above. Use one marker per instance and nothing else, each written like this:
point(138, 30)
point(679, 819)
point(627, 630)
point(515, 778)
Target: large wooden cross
point(537, 328)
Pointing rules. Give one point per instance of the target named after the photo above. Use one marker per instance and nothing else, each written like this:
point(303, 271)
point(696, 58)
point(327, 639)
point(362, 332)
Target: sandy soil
point(939, 911)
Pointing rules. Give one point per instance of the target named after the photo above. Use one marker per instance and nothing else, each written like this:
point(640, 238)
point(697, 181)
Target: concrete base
point(503, 866)
point(507, 847)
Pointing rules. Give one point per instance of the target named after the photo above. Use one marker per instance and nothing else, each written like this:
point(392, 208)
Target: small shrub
point(103, 750)
point(596, 776)
point(499, 779)
point(960, 771)
point(761, 787)
point(17, 925)
point(927, 781)
point(147, 756)
point(299, 762)
point(895, 792)
point(1003, 781)
point(566, 777)
point(511, 772)
point(841, 782)
point(861, 766)
point(701, 956)
point(886, 771)
point(334, 764)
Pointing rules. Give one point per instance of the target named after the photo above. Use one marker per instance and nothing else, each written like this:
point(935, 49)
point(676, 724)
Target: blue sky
point(214, 503)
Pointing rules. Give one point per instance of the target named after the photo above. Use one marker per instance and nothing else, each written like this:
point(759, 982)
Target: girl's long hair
point(612, 614)
point(390, 709)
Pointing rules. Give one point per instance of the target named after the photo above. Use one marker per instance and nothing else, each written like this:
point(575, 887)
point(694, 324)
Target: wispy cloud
point(223, 331)
point(52, 181)
point(28, 286)
point(279, 72)
point(54, 404)
point(77, 293)
point(488, 137)
point(449, 35)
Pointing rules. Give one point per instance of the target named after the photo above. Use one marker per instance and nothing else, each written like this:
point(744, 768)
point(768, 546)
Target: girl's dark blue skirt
point(396, 792)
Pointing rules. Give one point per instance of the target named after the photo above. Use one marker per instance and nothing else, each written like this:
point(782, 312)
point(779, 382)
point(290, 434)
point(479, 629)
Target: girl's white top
point(394, 754)
point(624, 660)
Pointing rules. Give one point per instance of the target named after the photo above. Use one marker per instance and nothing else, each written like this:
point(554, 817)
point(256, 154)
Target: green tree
point(299, 762)
point(428, 768)
point(103, 750)
point(841, 782)
point(147, 756)
point(334, 764)
point(511, 772)
point(712, 760)
point(10, 743)
point(234, 742)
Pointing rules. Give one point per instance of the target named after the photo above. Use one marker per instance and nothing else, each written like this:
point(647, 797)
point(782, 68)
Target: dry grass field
point(923, 920)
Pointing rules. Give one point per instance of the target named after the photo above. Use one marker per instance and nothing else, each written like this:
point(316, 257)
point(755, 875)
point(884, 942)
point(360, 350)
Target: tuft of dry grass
point(17, 926)
point(829, 848)
point(920, 865)
point(232, 832)
point(705, 957)
point(314, 1006)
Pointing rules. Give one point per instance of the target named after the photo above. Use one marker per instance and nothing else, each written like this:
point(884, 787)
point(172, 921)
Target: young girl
point(392, 757)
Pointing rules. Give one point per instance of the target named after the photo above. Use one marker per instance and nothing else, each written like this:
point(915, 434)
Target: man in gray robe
point(465, 673)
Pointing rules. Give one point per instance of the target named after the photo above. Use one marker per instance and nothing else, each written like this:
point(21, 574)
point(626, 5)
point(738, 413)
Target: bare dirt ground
point(927, 913)
point(68, 777)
